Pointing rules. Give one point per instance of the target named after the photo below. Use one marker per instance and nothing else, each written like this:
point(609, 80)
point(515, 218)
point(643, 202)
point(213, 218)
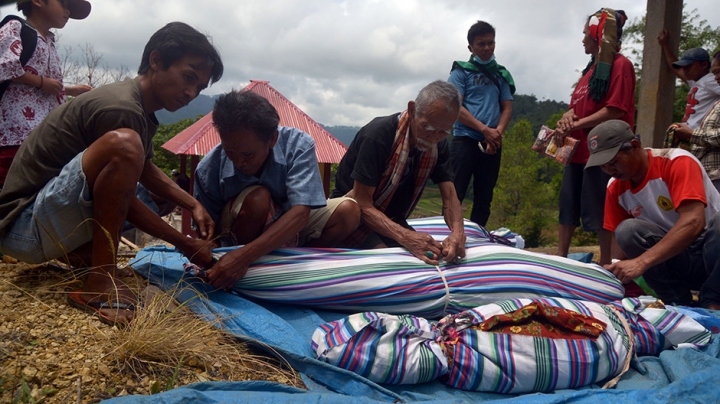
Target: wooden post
point(657, 82)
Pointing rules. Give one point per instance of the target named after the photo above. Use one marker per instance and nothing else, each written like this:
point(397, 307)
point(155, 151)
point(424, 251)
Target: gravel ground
point(51, 352)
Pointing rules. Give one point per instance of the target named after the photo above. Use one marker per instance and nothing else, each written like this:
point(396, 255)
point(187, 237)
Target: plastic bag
point(545, 145)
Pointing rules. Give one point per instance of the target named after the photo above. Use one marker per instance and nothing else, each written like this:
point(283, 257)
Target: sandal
point(95, 306)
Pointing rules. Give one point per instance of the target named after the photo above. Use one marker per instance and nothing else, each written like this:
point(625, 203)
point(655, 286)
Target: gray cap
point(604, 141)
point(690, 56)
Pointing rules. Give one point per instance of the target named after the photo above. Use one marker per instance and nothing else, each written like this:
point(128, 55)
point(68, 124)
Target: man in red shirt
point(663, 212)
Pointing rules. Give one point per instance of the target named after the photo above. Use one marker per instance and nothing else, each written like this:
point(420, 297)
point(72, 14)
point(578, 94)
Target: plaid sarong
point(391, 177)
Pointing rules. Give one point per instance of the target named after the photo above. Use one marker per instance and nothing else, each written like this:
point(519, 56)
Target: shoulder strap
point(28, 36)
point(488, 75)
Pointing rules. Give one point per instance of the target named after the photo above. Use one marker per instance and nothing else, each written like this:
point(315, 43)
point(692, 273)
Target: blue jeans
point(468, 161)
point(59, 220)
point(695, 268)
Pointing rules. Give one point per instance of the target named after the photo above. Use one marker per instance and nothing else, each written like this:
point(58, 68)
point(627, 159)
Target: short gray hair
point(438, 90)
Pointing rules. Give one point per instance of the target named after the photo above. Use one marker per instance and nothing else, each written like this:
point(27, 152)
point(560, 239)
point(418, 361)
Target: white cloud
point(345, 62)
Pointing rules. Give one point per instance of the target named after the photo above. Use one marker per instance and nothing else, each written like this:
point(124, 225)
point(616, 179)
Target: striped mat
point(391, 280)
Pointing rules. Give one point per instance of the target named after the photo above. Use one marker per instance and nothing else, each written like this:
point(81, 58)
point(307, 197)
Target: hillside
point(524, 107)
point(536, 112)
point(199, 106)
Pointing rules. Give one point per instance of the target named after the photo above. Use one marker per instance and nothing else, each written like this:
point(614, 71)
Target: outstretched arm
point(161, 185)
point(74, 91)
point(417, 243)
point(50, 86)
point(686, 230)
point(454, 244)
point(664, 41)
point(197, 251)
point(234, 265)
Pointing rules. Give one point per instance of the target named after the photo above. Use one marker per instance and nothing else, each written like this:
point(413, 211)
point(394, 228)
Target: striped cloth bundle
point(403, 346)
point(393, 281)
point(503, 362)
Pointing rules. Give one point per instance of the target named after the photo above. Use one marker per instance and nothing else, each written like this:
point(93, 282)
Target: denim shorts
point(59, 220)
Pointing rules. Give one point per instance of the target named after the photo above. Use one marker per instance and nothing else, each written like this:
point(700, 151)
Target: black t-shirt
point(366, 160)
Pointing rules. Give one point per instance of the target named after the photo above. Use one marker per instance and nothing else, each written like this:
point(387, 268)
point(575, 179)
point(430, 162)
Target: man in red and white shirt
point(663, 211)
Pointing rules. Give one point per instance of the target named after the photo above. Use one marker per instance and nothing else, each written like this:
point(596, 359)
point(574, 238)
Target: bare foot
point(110, 299)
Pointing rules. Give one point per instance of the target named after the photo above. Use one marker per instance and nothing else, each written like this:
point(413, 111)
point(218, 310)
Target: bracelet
point(41, 82)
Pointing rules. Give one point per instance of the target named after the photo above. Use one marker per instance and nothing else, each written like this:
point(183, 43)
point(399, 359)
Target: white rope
point(447, 291)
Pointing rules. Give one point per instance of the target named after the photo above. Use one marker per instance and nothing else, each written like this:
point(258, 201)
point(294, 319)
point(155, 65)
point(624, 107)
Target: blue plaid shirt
point(290, 173)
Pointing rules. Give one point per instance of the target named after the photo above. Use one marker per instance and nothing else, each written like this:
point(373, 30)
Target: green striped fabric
point(391, 280)
point(402, 349)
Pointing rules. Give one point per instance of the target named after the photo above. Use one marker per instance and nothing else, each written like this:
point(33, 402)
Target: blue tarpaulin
point(684, 375)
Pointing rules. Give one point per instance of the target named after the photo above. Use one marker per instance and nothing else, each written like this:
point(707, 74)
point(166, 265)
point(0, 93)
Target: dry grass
point(167, 334)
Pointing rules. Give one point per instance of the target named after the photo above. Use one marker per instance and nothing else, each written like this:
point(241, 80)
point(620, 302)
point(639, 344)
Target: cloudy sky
point(345, 62)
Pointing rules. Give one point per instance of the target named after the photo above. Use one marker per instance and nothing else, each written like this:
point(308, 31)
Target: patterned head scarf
point(605, 28)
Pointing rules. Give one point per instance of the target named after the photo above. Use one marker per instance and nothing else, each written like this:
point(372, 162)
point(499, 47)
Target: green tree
point(523, 201)
point(694, 33)
point(165, 160)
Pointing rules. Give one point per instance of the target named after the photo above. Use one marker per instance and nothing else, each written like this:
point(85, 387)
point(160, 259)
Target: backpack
point(28, 36)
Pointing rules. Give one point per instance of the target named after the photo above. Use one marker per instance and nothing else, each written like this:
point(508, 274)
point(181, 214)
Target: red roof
point(201, 136)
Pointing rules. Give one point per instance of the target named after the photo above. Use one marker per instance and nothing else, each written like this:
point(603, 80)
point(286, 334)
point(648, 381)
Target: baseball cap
point(79, 9)
point(174, 172)
point(690, 56)
point(604, 141)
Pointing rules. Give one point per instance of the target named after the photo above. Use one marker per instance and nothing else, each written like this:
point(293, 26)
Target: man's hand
point(493, 139)
point(453, 247)
point(205, 224)
point(229, 269)
point(199, 252)
point(626, 270)
point(419, 244)
point(489, 148)
point(682, 131)
point(663, 38)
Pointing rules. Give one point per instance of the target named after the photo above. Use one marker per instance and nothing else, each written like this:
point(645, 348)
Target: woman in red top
point(605, 91)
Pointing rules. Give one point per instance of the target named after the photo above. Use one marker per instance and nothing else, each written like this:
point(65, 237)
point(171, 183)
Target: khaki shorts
point(316, 223)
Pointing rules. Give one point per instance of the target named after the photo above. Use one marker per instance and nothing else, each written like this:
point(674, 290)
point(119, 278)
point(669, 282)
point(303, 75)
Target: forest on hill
point(524, 107)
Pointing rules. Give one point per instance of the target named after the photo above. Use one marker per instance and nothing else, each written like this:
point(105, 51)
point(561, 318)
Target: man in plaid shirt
point(705, 140)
